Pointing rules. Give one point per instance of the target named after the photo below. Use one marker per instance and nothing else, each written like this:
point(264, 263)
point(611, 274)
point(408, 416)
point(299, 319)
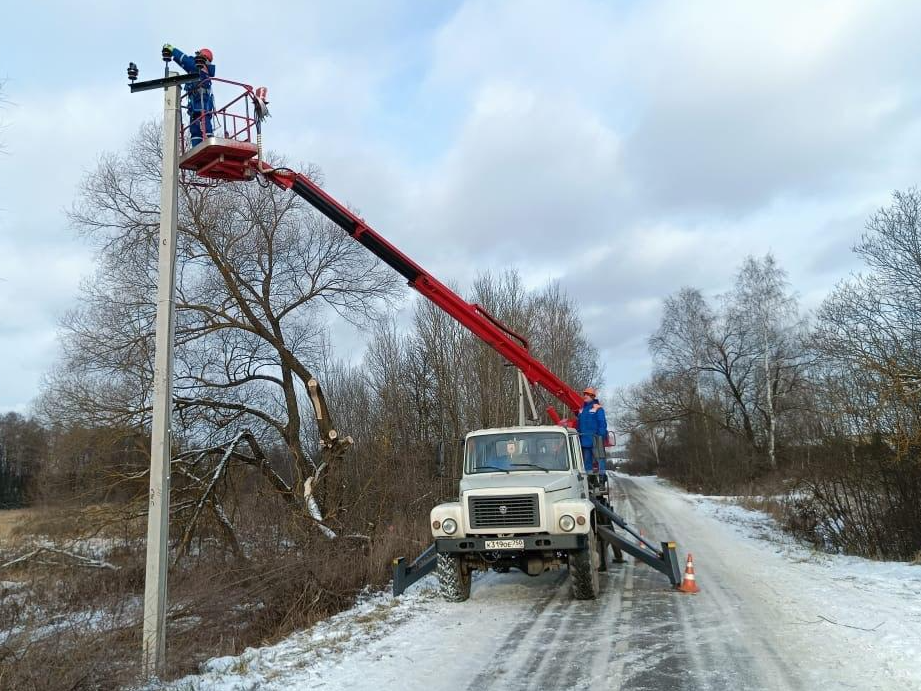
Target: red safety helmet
point(589, 391)
point(206, 54)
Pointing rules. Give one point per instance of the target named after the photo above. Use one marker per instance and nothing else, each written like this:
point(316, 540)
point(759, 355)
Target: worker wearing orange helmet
point(199, 99)
point(591, 424)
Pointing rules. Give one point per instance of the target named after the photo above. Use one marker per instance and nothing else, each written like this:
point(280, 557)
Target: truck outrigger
point(525, 502)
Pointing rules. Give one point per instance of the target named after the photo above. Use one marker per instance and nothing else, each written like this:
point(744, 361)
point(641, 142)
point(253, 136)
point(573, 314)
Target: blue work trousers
point(195, 120)
point(588, 457)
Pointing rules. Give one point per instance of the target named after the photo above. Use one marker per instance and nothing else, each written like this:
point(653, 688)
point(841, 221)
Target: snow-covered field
point(772, 614)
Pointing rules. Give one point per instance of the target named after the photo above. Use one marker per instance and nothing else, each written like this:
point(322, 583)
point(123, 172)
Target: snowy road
point(762, 621)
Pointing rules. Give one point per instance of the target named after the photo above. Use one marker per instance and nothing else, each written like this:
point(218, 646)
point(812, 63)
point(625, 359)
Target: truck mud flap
point(664, 560)
point(404, 575)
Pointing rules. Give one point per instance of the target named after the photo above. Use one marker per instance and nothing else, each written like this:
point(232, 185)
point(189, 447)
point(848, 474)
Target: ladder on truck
point(234, 153)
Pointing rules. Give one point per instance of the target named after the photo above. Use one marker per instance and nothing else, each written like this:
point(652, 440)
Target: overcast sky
point(623, 148)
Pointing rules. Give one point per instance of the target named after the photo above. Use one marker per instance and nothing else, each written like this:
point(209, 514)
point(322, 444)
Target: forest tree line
point(748, 393)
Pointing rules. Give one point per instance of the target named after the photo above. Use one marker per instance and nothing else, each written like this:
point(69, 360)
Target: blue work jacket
point(200, 97)
point(591, 423)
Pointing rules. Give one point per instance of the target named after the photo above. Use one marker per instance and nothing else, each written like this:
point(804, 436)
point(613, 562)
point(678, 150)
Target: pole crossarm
point(163, 82)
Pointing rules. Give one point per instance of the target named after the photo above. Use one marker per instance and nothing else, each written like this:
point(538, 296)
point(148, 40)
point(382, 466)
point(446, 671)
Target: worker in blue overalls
point(591, 424)
point(199, 99)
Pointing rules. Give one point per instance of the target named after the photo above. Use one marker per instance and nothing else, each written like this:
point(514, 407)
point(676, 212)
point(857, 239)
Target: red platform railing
point(235, 120)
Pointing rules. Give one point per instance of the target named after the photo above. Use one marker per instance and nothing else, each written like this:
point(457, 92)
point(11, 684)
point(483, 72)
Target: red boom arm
point(484, 326)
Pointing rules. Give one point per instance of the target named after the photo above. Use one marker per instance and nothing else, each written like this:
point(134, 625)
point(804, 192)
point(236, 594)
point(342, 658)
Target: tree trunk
point(769, 390)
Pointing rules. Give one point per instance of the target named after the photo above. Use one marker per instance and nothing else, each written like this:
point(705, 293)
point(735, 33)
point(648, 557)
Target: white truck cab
point(524, 503)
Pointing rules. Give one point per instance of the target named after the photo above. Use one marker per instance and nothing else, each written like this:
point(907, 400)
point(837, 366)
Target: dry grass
point(10, 520)
point(78, 628)
point(773, 507)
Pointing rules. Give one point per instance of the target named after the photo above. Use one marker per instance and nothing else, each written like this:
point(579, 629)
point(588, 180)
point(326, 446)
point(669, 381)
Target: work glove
point(167, 51)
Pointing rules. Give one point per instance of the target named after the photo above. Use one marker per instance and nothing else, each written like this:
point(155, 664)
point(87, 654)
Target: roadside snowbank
point(893, 577)
point(301, 660)
point(415, 641)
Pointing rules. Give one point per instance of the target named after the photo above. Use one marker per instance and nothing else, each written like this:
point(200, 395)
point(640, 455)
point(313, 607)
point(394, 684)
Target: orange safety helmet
point(206, 54)
point(589, 391)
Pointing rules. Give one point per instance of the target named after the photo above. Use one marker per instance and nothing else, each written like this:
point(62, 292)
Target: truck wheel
point(583, 571)
point(453, 578)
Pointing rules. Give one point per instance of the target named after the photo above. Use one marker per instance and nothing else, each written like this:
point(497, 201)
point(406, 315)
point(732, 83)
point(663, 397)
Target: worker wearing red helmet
point(591, 425)
point(199, 99)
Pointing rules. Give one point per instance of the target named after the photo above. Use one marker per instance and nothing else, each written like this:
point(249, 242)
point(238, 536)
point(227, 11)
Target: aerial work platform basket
point(232, 142)
point(220, 158)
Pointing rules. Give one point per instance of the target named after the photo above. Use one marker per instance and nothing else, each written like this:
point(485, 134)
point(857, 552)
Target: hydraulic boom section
point(235, 153)
point(483, 325)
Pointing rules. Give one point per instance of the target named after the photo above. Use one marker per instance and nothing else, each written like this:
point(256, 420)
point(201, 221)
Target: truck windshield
point(517, 452)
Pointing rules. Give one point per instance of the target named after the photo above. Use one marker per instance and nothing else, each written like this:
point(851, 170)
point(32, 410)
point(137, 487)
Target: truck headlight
point(449, 526)
point(567, 522)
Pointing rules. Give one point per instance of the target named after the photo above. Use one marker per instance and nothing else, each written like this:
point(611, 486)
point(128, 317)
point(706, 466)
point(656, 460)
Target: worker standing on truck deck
point(592, 423)
point(200, 100)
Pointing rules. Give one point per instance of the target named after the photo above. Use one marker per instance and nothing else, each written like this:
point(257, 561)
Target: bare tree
point(22, 444)
point(444, 381)
point(259, 276)
point(681, 347)
point(869, 328)
point(646, 412)
point(762, 307)
point(723, 376)
point(558, 338)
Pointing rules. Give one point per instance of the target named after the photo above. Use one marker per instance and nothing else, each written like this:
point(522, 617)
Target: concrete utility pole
point(154, 641)
point(526, 415)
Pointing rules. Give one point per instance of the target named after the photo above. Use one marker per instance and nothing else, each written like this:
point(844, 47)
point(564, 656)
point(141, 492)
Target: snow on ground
point(772, 614)
point(406, 641)
point(88, 620)
point(304, 659)
point(855, 615)
point(97, 547)
point(891, 577)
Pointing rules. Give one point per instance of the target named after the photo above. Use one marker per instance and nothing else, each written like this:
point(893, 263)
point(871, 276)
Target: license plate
point(504, 544)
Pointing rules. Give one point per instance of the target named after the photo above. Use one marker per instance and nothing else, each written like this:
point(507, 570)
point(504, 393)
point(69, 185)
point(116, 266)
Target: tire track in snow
point(723, 638)
point(585, 637)
point(632, 651)
point(592, 640)
point(503, 664)
point(665, 653)
point(617, 584)
point(615, 661)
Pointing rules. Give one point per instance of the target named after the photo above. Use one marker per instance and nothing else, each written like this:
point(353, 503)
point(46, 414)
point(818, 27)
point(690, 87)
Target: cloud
point(746, 102)
point(37, 285)
point(53, 138)
point(524, 170)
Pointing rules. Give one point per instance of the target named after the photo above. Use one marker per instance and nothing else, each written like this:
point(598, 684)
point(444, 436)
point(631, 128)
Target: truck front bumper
point(532, 543)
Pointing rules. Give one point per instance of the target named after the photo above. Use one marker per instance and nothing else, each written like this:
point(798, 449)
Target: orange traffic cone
point(689, 583)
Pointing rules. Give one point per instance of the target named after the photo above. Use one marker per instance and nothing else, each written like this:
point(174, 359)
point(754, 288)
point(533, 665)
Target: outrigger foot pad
point(664, 560)
point(404, 575)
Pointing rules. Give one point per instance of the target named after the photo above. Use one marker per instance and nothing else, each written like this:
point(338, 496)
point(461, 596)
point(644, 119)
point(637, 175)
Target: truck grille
point(518, 511)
